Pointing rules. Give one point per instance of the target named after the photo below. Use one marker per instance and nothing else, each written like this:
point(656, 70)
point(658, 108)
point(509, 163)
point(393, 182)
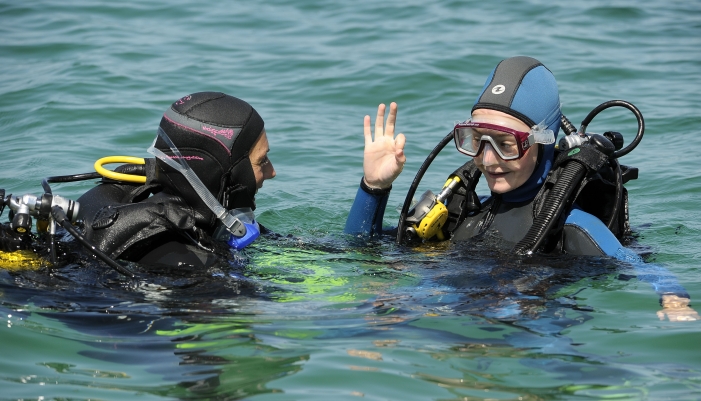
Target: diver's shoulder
point(585, 234)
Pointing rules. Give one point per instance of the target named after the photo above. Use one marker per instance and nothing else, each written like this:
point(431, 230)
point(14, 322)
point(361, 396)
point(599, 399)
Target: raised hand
point(384, 158)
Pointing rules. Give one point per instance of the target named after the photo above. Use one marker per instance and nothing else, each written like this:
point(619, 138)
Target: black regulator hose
point(616, 166)
point(52, 249)
point(618, 103)
point(45, 185)
point(73, 177)
point(567, 126)
point(60, 217)
point(415, 184)
point(128, 168)
point(553, 206)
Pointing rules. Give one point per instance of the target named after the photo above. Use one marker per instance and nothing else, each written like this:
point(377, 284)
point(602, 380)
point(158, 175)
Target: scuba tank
point(585, 170)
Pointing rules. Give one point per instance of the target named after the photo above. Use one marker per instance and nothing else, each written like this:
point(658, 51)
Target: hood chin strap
point(240, 186)
point(232, 224)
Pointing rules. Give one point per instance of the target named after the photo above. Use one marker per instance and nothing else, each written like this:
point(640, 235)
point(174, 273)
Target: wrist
point(373, 190)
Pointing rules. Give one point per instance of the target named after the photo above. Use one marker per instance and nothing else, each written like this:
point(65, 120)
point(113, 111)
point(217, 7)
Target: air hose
point(71, 178)
point(401, 227)
point(619, 193)
point(617, 103)
point(553, 206)
point(118, 175)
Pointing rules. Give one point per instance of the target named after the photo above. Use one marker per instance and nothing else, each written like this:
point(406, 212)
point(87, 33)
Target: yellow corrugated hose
point(139, 179)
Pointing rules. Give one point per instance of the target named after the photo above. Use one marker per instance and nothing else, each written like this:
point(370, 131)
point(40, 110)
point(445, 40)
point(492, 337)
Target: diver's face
point(262, 167)
point(504, 176)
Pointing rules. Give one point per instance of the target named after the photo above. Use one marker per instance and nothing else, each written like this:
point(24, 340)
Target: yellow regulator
point(429, 215)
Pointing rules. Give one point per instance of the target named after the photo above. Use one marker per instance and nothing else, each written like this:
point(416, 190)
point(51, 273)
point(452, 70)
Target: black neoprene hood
point(214, 132)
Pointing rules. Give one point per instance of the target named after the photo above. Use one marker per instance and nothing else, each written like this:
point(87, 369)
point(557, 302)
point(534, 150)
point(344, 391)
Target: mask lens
point(465, 141)
point(470, 138)
point(505, 144)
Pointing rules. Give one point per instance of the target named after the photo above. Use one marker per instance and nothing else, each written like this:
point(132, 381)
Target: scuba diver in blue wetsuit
point(569, 200)
point(173, 210)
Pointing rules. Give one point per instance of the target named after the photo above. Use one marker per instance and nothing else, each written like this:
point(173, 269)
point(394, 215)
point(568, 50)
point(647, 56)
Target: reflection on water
point(484, 317)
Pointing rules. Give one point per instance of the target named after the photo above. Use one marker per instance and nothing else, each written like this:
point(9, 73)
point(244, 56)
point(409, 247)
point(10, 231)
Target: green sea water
point(313, 314)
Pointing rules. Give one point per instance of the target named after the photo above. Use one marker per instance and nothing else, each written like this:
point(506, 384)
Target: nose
point(489, 155)
point(270, 171)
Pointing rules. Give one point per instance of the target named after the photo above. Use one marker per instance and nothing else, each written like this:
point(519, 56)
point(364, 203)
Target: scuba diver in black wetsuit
point(541, 200)
point(199, 190)
point(223, 141)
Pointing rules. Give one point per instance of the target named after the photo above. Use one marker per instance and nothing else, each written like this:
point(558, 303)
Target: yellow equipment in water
point(21, 260)
point(427, 219)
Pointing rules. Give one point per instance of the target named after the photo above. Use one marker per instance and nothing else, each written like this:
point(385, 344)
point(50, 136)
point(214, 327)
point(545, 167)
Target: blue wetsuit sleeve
point(366, 214)
point(602, 238)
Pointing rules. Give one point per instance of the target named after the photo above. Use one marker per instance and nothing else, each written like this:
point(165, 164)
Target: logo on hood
point(498, 89)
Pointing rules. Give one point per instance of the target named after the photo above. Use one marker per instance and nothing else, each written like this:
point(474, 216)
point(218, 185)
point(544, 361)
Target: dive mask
point(510, 144)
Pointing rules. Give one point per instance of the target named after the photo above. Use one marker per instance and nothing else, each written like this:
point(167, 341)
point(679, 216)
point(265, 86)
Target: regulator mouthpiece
point(244, 231)
point(252, 232)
